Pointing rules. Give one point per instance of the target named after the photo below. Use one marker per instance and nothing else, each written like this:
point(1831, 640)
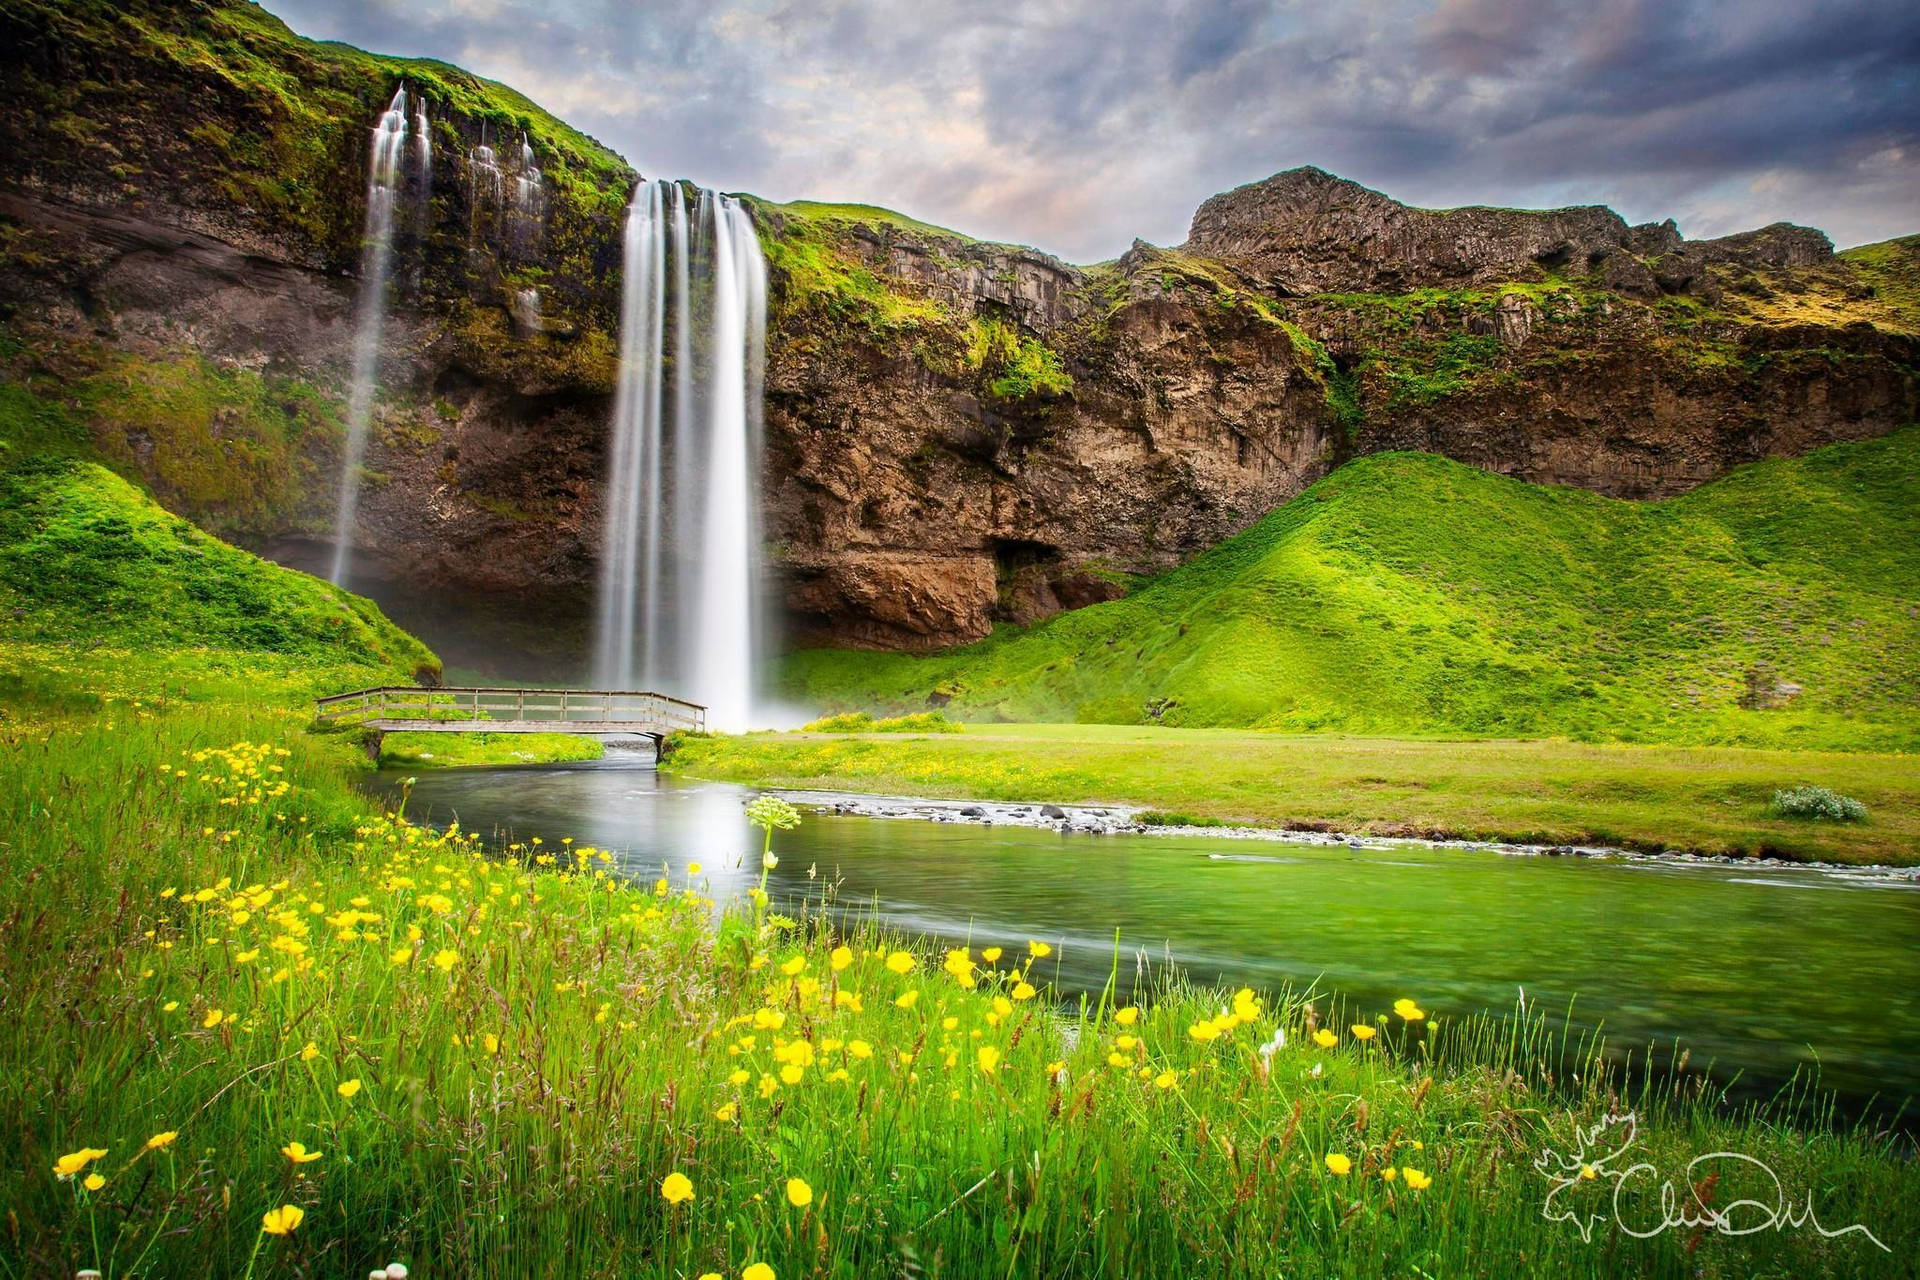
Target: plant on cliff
point(1014, 365)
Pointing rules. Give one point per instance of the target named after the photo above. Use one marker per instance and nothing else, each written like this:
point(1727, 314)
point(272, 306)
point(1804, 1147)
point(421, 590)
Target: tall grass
point(539, 1045)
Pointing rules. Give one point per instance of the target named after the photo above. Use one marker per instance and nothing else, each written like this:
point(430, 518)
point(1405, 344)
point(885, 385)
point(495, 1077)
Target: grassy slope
point(1701, 799)
point(1408, 594)
point(106, 599)
point(90, 567)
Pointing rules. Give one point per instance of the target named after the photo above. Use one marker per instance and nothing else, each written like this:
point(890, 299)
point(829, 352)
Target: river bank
point(1122, 820)
point(1697, 801)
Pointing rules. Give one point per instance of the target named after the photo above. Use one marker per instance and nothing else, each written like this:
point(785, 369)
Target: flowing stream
point(1758, 971)
point(680, 564)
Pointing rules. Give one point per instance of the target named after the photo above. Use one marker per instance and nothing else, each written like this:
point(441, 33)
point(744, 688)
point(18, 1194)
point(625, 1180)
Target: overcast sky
point(1076, 125)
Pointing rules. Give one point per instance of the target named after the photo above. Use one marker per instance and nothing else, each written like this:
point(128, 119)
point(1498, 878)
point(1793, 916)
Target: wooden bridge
point(395, 709)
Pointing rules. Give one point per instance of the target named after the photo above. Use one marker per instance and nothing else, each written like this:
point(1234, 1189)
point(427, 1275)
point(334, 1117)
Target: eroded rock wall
point(958, 433)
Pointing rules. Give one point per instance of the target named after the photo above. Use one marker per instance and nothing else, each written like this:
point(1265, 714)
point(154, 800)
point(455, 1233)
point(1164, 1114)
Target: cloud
point(1077, 125)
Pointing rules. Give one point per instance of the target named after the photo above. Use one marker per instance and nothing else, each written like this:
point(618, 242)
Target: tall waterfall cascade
point(681, 577)
point(387, 156)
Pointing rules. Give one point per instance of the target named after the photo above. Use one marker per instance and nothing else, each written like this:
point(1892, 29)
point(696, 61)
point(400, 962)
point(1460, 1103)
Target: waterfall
point(423, 150)
point(386, 160)
point(680, 584)
point(483, 172)
point(527, 180)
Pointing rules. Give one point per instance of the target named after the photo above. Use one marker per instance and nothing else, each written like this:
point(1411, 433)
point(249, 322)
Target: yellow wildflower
point(1040, 950)
point(757, 1271)
point(907, 999)
point(1416, 1179)
point(859, 1048)
point(93, 1182)
point(992, 955)
point(793, 967)
point(676, 1188)
point(841, 958)
point(212, 1018)
point(162, 1140)
point(1408, 1010)
point(282, 1221)
point(1023, 991)
point(989, 1059)
point(1166, 1080)
point(1128, 1016)
point(445, 959)
point(1337, 1163)
point(1361, 1031)
point(347, 1088)
point(799, 1194)
point(297, 1152)
point(1204, 1031)
point(1325, 1038)
point(726, 1113)
point(900, 962)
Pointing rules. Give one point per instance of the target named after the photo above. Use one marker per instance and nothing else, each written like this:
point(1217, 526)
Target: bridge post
point(372, 741)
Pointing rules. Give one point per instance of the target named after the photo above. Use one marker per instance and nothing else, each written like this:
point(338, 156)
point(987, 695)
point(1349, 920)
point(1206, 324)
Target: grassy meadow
point(1709, 800)
point(1407, 595)
point(236, 997)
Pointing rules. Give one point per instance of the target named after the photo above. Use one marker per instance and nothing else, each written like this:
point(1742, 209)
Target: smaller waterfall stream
point(386, 164)
point(680, 577)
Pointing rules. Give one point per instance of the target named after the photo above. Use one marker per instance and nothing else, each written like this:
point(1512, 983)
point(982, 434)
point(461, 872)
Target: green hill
point(105, 594)
point(1408, 594)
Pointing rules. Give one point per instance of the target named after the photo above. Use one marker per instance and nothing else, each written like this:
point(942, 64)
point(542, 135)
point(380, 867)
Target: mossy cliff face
point(181, 203)
point(958, 432)
point(965, 433)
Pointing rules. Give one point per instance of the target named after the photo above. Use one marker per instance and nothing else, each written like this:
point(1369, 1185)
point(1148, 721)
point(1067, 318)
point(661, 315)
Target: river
point(1756, 971)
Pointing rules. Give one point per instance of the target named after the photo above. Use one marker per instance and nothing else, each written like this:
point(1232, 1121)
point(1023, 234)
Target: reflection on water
point(1761, 973)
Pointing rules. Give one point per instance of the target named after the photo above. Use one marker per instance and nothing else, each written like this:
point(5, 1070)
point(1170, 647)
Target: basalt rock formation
point(958, 432)
point(1306, 232)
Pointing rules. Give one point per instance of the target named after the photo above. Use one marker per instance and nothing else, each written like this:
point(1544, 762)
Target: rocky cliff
point(959, 432)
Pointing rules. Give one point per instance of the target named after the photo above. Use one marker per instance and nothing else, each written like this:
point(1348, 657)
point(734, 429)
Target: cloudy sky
point(1076, 125)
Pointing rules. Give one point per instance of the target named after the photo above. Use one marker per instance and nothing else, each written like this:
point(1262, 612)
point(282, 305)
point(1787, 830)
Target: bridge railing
point(546, 706)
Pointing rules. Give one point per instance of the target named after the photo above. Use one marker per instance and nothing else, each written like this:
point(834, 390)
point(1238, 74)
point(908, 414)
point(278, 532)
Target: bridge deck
point(396, 709)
